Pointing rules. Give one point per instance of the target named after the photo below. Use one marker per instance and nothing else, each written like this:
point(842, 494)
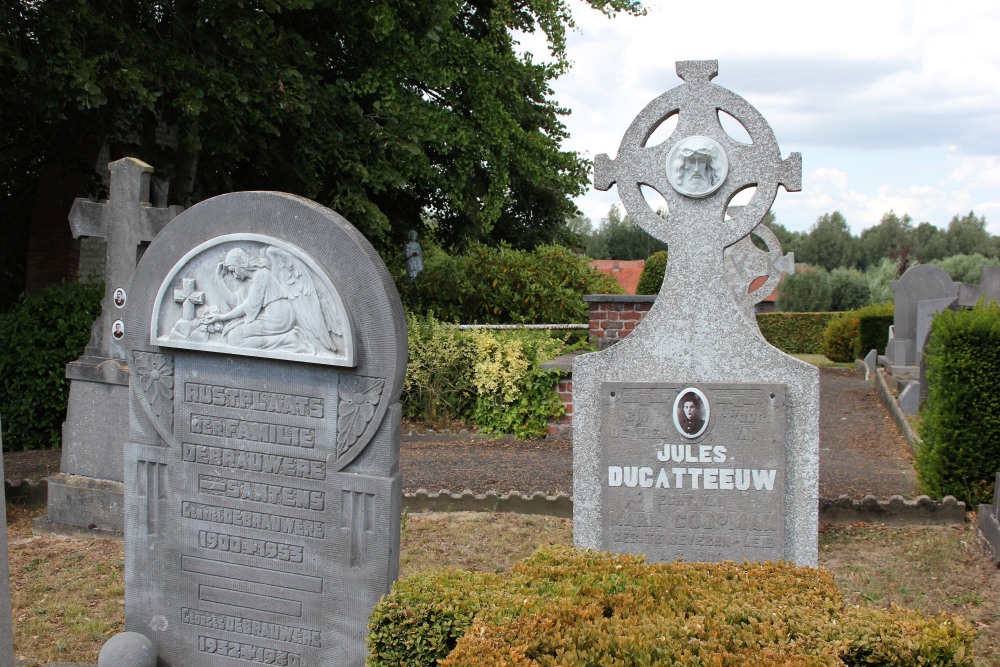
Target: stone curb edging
point(422, 500)
point(882, 389)
point(896, 510)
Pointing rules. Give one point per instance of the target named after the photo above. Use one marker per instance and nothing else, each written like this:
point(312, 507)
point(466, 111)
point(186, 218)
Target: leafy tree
point(789, 240)
point(829, 243)
point(382, 110)
point(880, 277)
point(805, 291)
point(967, 235)
point(621, 238)
point(966, 268)
point(889, 238)
point(929, 243)
point(848, 289)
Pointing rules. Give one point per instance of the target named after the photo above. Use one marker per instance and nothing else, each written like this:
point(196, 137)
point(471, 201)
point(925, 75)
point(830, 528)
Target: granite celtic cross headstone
point(694, 438)
point(267, 348)
point(86, 495)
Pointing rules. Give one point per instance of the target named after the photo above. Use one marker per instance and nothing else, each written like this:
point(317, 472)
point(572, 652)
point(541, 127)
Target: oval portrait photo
point(691, 412)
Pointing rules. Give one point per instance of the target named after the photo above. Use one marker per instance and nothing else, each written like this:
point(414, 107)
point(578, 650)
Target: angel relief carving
point(256, 299)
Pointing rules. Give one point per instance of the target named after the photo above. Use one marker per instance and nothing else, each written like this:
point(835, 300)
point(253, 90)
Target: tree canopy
point(398, 114)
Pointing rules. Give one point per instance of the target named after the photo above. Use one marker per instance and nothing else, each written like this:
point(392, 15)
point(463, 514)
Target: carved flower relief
point(359, 396)
point(156, 380)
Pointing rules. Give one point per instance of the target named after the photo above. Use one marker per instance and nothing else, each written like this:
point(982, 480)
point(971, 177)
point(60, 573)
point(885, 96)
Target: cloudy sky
point(894, 104)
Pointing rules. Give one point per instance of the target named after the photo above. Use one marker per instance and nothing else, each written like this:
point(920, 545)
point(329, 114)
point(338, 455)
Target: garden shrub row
point(960, 422)
point(42, 333)
point(490, 379)
point(795, 333)
point(851, 334)
point(502, 285)
point(570, 607)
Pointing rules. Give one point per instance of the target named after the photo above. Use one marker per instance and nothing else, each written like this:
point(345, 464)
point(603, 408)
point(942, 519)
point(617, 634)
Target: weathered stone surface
point(262, 460)
point(989, 523)
point(699, 335)
point(97, 410)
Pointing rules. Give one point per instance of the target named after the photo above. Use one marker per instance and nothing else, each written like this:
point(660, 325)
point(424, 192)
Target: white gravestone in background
point(267, 345)
point(694, 438)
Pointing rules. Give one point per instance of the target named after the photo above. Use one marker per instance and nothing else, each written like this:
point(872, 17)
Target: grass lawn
point(68, 595)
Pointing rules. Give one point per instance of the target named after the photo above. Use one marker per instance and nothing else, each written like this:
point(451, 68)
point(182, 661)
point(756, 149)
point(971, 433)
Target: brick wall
point(613, 316)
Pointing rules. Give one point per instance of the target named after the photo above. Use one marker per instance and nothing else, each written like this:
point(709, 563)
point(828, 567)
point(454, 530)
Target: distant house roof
point(625, 271)
point(757, 283)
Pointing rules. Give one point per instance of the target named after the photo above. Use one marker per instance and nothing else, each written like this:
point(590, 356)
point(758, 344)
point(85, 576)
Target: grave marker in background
point(693, 437)
point(267, 348)
point(86, 495)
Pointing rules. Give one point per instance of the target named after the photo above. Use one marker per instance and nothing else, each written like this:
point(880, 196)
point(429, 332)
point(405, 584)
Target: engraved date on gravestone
point(256, 505)
point(693, 471)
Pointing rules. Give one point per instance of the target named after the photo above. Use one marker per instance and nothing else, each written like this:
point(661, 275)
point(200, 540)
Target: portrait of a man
point(697, 166)
point(691, 413)
point(119, 297)
point(118, 329)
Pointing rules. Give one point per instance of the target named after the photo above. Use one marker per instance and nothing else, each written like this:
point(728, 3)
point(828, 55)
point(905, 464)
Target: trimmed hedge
point(42, 333)
point(795, 333)
point(960, 425)
point(569, 607)
point(843, 339)
point(873, 328)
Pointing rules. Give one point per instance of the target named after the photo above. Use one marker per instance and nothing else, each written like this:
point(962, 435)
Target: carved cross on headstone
point(126, 221)
point(188, 298)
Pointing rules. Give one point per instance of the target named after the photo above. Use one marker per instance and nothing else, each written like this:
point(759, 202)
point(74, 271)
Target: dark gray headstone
point(86, 495)
point(924, 282)
point(989, 522)
point(735, 476)
point(267, 348)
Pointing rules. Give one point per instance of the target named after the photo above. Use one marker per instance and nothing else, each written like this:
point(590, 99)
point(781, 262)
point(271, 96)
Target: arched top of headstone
point(926, 281)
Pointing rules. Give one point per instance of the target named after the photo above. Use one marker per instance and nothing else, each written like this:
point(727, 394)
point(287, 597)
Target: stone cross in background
point(693, 437)
point(86, 496)
point(126, 221)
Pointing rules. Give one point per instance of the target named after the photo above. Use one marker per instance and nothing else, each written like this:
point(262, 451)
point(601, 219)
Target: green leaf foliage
point(873, 328)
point(504, 285)
point(795, 333)
point(806, 291)
point(382, 110)
point(570, 607)
point(490, 379)
point(840, 337)
point(42, 333)
point(848, 289)
point(960, 425)
point(966, 268)
point(653, 272)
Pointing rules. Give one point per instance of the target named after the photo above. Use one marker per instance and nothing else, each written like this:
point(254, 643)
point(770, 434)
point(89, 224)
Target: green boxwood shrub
point(501, 285)
point(42, 333)
point(570, 607)
point(652, 273)
point(840, 337)
point(795, 333)
point(960, 425)
point(490, 379)
point(873, 328)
